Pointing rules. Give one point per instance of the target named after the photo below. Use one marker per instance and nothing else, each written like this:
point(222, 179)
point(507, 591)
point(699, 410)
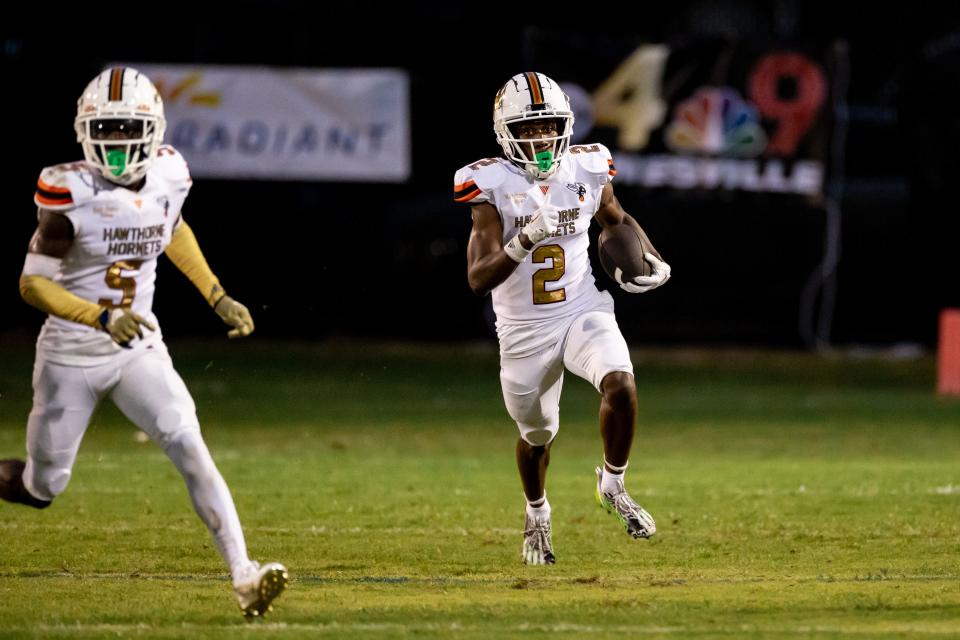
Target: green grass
point(795, 497)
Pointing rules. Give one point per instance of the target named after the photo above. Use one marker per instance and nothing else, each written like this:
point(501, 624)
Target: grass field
point(794, 496)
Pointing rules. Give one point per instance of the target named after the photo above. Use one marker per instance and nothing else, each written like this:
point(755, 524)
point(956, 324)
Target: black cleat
point(11, 485)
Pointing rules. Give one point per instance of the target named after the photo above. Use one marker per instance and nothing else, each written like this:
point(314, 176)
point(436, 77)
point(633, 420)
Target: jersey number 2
point(548, 274)
point(115, 280)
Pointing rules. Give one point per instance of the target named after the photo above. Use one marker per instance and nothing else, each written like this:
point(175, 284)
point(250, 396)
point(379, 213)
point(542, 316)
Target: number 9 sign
point(794, 115)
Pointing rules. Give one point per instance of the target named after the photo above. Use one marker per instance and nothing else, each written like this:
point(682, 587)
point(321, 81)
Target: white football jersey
point(118, 235)
point(555, 280)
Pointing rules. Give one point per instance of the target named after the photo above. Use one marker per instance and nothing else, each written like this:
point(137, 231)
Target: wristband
point(517, 252)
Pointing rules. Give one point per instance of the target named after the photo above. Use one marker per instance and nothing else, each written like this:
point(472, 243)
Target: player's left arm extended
point(609, 213)
point(184, 251)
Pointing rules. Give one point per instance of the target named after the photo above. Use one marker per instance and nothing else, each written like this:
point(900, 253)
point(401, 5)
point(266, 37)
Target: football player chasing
point(528, 246)
point(91, 265)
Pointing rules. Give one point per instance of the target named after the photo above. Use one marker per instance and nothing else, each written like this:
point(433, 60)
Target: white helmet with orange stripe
point(120, 124)
point(525, 98)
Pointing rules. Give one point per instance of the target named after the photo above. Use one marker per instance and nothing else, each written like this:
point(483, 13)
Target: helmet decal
point(536, 92)
point(116, 84)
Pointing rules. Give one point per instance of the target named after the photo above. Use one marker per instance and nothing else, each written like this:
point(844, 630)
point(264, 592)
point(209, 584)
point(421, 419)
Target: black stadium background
point(369, 261)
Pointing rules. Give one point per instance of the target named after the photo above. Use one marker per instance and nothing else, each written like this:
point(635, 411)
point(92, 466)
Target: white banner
point(287, 124)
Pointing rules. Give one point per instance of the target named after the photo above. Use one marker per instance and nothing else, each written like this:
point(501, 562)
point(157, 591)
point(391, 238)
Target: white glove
point(123, 325)
point(236, 315)
point(544, 222)
point(642, 284)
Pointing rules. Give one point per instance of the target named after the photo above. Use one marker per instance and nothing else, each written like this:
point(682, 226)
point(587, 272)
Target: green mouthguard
point(544, 160)
point(117, 161)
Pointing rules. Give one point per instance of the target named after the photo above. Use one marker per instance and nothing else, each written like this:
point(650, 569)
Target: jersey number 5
point(116, 280)
point(548, 274)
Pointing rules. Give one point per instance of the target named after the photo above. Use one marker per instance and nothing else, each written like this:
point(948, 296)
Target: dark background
point(325, 260)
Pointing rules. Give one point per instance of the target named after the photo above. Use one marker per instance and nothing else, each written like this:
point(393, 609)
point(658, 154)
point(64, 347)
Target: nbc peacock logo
point(716, 120)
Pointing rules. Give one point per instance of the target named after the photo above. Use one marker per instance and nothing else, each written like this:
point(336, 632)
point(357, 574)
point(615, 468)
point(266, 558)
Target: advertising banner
point(288, 124)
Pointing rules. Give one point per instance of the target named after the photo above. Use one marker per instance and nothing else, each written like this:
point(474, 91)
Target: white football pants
point(591, 347)
point(147, 389)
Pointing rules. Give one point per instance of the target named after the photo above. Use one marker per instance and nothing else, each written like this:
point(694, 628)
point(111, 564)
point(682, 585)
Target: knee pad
point(538, 436)
point(189, 453)
point(176, 420)
point(538, 424)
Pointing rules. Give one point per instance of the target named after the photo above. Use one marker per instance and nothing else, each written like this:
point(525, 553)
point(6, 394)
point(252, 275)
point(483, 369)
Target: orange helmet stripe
point(533, 83)
point(116, 84)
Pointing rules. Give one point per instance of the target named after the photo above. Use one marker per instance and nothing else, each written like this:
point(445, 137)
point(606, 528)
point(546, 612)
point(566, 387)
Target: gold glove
point(123, 325)
point(236, 315)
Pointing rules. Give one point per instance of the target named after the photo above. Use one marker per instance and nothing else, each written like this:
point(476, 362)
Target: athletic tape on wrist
point(517, 252)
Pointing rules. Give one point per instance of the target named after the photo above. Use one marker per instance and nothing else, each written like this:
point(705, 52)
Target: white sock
point(538, 508)
point(243, 572)
point(612, 481)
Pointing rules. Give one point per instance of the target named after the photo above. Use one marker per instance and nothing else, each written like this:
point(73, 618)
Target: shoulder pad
point(60, 187)
point(172, 166)
point(474, 182)
point(594, 159)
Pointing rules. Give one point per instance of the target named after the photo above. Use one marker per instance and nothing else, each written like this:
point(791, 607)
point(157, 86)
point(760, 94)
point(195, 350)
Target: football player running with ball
point(91, 265)
point(531, 211)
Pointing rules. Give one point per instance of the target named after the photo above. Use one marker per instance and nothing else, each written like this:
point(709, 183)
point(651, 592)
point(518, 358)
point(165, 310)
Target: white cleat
point(632, 516)
point(537, 545)
point(259, 586)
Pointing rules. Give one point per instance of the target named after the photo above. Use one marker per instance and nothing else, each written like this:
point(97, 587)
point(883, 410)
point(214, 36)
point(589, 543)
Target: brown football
point(621, 246)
